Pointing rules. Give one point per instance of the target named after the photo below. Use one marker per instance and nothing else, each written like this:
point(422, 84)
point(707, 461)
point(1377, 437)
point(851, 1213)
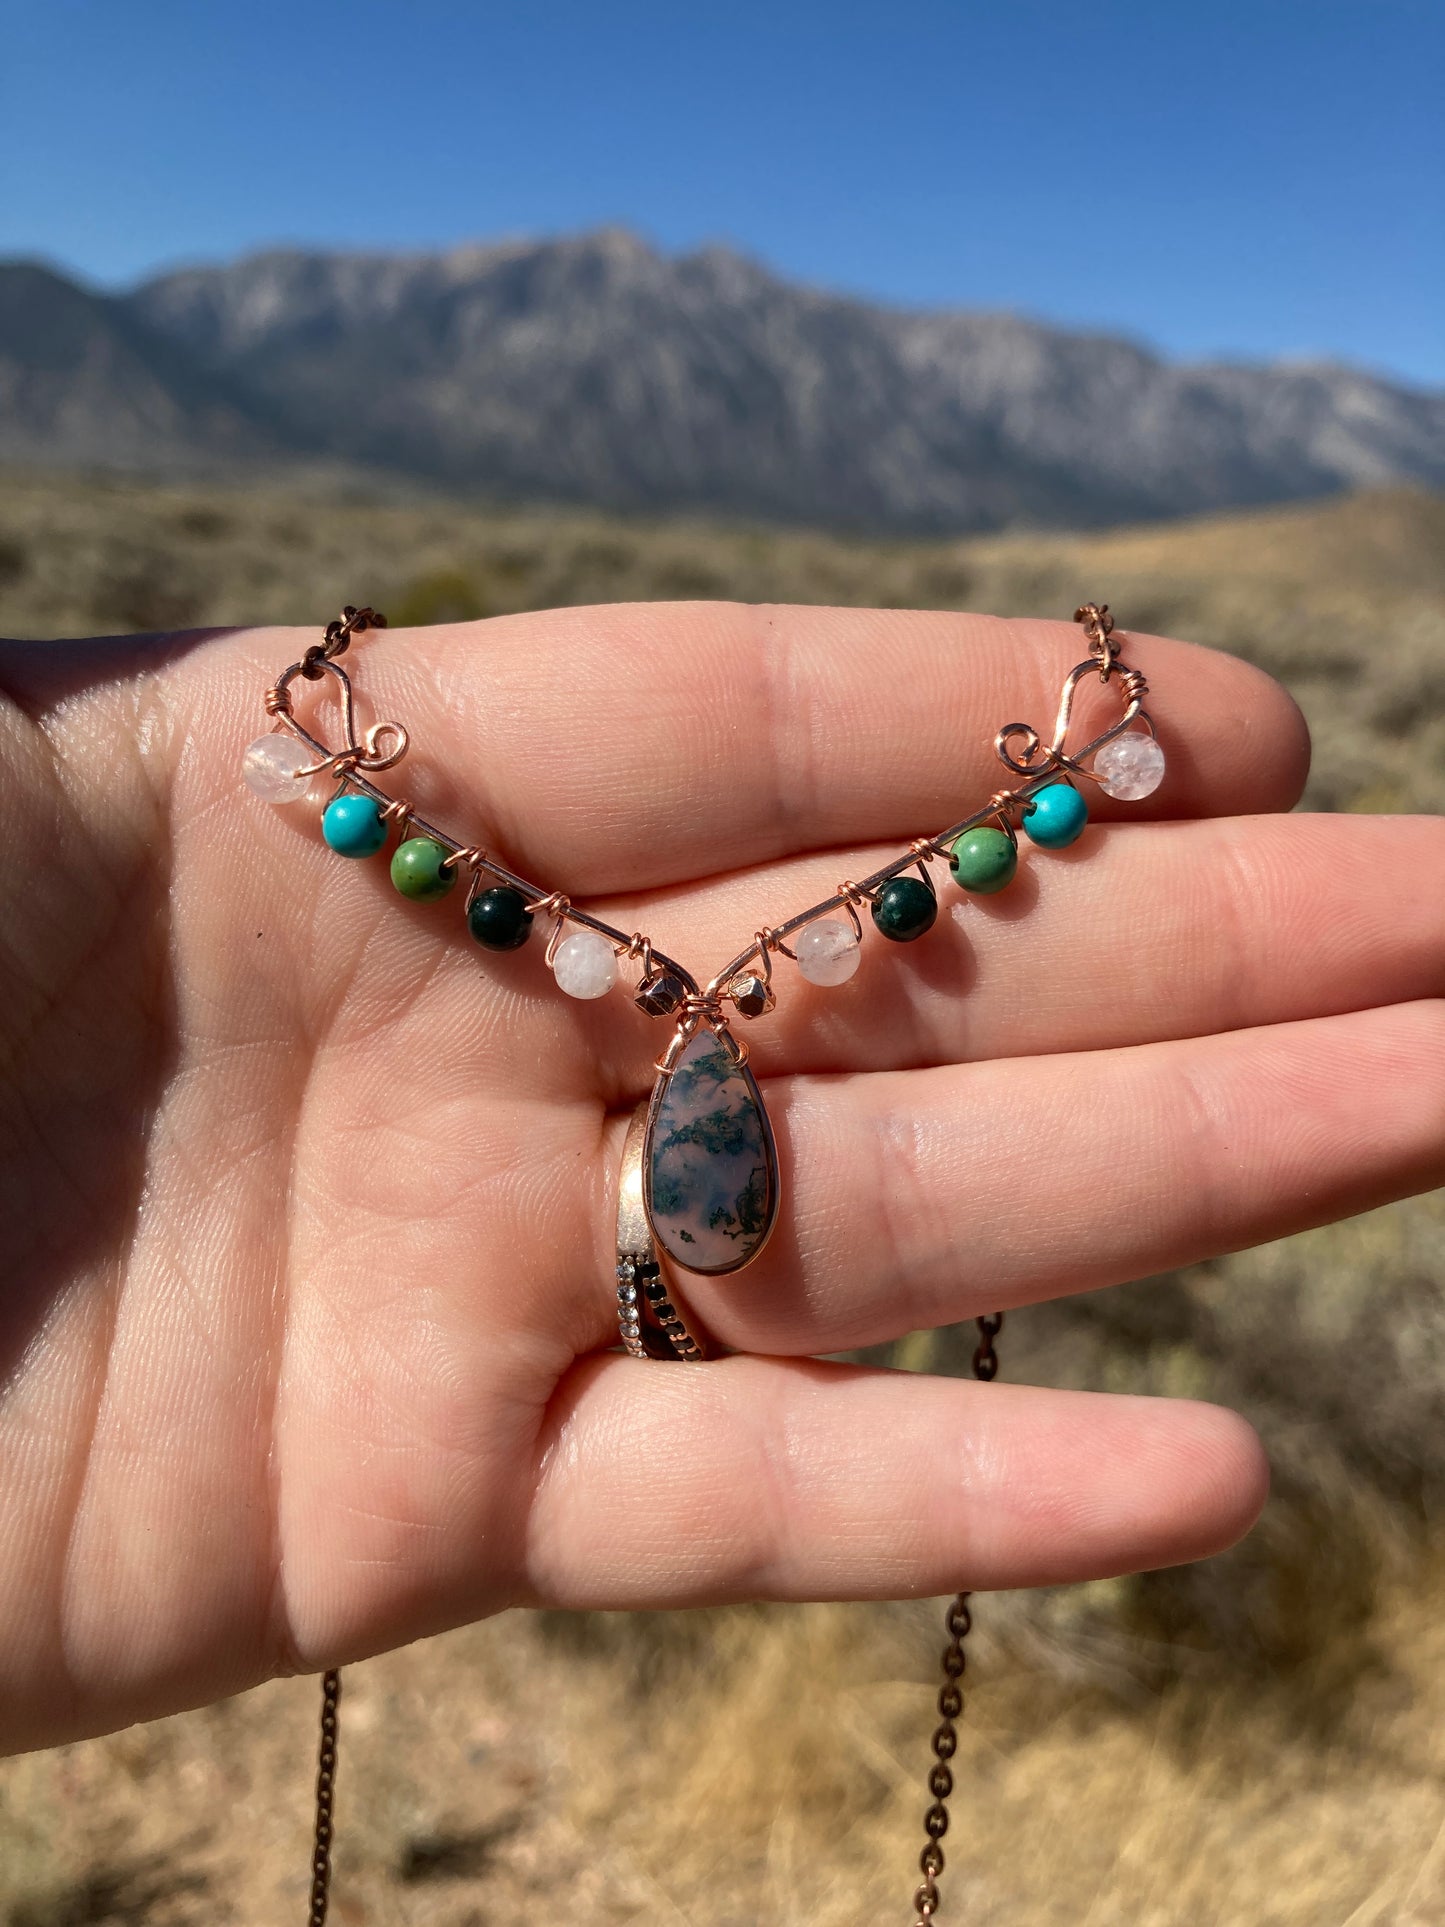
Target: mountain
point(597, 370)
point(84, 382)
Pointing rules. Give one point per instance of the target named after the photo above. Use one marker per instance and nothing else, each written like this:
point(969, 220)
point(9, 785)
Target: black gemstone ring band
point(648, 1316)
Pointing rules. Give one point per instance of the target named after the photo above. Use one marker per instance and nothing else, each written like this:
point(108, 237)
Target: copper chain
point(959, 1622)
point(339, 631)
point(325, 1797)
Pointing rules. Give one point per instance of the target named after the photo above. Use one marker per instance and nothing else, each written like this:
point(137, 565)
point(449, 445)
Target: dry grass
point(1255, 1742)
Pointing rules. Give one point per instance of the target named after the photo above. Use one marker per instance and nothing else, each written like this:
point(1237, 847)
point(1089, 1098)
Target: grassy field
point(1255, 1742)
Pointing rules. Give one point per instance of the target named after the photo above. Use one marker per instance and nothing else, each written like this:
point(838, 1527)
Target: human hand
point(307, 1243)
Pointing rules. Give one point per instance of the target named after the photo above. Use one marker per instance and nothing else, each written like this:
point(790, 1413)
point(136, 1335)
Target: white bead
point(1130, 767)
point(585, 964)
point(827, 951)
point(272, 766)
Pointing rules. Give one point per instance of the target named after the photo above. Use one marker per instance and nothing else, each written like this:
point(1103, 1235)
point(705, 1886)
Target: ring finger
point(920, 1198)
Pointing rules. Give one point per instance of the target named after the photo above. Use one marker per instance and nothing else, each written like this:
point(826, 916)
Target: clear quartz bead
point(272, 768)
point(585, 964)
point(1130, 767)
point(827, 951)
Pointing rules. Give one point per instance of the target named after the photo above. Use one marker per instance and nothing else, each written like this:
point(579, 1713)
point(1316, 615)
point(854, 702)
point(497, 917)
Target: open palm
point(307, 1233)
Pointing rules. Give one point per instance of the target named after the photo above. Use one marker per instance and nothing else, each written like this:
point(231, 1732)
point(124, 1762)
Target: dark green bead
point(499, 918)
point(417, 869)
point(904, 908)
point(984, 860)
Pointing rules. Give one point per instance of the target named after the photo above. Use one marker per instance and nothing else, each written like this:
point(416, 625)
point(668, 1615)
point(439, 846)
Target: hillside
point(1343, 599)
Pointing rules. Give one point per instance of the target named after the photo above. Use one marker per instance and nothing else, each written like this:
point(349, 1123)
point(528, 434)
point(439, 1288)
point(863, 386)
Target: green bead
point(499, 919)
point(984, 860)
point(417, 869)
point(904, 908)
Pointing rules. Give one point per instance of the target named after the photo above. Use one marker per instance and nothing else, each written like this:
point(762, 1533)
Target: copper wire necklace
point(706, 1200)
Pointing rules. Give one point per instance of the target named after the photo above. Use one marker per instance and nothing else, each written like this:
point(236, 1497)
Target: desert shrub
point(447, 595)
point(203, 522)
point(144, 593)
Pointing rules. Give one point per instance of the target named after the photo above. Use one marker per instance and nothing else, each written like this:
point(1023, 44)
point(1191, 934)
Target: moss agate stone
point(710, 1165)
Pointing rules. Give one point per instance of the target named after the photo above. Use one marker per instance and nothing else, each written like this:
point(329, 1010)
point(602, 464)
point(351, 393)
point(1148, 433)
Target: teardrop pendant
point(710, 1165)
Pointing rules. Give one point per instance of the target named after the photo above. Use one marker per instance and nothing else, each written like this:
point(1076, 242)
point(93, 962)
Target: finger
point(754, 1478)
point(625, 747)
point(1137, 934)
point(920, 1198)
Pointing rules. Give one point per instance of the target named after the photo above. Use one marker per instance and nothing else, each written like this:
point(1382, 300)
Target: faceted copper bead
point(751, 996)
point(660, 994)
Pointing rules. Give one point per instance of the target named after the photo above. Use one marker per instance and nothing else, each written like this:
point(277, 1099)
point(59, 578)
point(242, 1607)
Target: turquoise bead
point(983, 860)
point(418, 869)
point(1056, 816)
point(353, 825)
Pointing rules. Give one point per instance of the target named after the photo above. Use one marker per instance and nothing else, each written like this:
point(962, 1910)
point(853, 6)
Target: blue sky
point(1247, 179)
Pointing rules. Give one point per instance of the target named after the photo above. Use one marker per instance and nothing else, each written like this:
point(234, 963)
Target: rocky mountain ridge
point(598, 370)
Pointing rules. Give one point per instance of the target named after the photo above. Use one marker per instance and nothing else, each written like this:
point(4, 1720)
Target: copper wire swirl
point(699, 1009)
point(850, 896)
point(339, 765)
point(639, 946)
point(556, 906)
point(1135, 688)
point(1002, 801)
point(702, 1007)
point(471, 856)
point(1023, 764)
point(770, 939)
point(367, 754)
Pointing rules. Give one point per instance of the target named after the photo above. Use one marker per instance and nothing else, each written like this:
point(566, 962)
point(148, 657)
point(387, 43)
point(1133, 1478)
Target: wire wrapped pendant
point(710, 1164)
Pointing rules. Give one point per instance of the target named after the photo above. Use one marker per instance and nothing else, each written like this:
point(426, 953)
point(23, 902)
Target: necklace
point(700, 1187)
